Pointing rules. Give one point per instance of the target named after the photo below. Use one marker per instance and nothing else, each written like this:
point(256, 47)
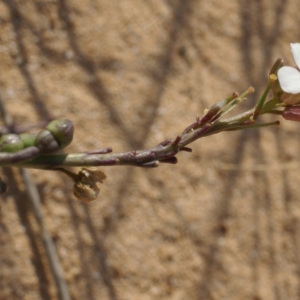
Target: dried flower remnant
point(289, 78)
point(86, 186)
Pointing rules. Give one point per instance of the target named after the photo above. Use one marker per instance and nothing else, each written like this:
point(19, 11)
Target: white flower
point(289, 78)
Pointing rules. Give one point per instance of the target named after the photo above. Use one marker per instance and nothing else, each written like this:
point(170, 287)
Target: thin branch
point(165, 152)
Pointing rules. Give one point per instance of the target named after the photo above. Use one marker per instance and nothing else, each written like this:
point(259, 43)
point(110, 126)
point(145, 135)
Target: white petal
point(289, 80)
point(296, 53)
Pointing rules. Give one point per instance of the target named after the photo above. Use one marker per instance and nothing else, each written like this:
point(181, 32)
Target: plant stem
point(148, 158)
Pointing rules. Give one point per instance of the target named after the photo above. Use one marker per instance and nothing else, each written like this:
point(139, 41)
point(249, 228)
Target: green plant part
point(46, 142)
point(28, 139)
point(63, 130)
point(11, 143)
point(57, 135)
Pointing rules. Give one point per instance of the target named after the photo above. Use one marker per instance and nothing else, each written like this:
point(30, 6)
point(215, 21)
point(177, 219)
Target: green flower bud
point(63, 130)
point(46, 142)
point(28, 139)
point(11, 143)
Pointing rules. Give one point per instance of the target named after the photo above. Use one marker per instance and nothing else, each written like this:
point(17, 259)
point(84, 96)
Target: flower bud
point(63, 130)
point(213, 112)
point(11, 143)
point(292, 113)
point(28, 139)
point(46, 142)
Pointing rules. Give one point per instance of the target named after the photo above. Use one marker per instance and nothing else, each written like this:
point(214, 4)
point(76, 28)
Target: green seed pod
point(28, 139)
point(46, 142)
point(11, 143)
point(63, 130)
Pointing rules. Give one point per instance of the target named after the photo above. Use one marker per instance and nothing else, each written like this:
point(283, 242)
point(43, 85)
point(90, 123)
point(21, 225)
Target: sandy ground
point(224, 223)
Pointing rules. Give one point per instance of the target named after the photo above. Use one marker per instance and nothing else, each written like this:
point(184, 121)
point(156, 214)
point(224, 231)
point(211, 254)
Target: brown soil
point(224, 223)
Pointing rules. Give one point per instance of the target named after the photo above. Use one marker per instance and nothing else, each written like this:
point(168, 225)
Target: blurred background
point(224, 223)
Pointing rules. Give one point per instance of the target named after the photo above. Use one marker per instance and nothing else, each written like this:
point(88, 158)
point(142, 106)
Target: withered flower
point(86, 186)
